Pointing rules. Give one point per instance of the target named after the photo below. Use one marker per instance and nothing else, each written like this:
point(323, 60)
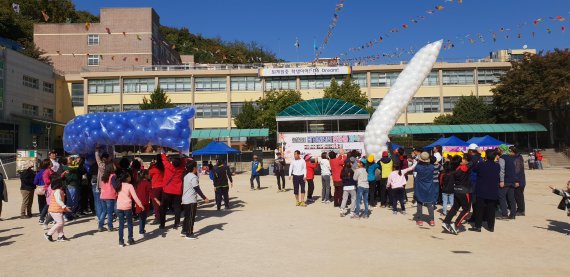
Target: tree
point(248, 118)
point(468, 110)
point(537, 84)
point(348, 91)
point(158, 100)
point(273, 103)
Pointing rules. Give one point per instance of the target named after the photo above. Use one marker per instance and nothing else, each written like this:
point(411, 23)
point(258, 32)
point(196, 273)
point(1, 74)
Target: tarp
point(449, 141)
point(215, 148)
point(485, 141)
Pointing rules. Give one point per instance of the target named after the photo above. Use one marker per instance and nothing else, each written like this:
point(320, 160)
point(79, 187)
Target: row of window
point(431, 104)
point(32, 82)
point(33, 110)
point(205, 84)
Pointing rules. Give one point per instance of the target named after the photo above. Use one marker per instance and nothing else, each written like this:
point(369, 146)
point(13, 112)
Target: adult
point(55, 161)
point(71, 176)
point(386, 165)
point(437, 150)
point(298, 172)
point(349, 189)
point(27, 189)
point(47, 177)
point(101, 161)
point(222, 183)
point(371, 168)
point(40, 190)
point(156, 172)
point(190, 199)
point(279, 171)
point(531, 161)
point(310, 165)
point(337, 163)
point(108, 197)
point(487, 191)
point(509, 180)
point(3, 193)
point(474, 158)
point(519, 187)
point(255, 170)
point(461, 197)
point(86, 205)
point(539, 159)
point(172, 189)
point(425, 191)
point(325, 178)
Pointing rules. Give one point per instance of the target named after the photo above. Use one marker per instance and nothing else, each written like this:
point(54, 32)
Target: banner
point(304, 71)
point(317, 143)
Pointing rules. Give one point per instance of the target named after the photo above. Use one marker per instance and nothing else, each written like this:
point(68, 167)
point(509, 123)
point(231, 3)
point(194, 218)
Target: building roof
point(233, 133)
point(322, 108)
point(468, 128)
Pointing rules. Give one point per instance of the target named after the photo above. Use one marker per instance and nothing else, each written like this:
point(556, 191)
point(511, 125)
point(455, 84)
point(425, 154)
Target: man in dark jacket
point(27, 188)
point(487, 191)
point(519, 189)
point(222, 174)
point(279, 171)
point(509, 181)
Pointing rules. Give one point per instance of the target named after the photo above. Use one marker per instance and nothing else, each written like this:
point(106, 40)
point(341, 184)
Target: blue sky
point(276, 24)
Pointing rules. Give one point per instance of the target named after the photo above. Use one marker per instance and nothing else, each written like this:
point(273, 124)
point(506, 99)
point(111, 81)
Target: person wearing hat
point(371, 168)
point(425, 191)
point(311, 165)
point(279, 171)
point(255, 171)
point(387, 166)
point(508, 182)
point(27, 189)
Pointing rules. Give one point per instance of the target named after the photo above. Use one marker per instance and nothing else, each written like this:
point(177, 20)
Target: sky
point(277, 24)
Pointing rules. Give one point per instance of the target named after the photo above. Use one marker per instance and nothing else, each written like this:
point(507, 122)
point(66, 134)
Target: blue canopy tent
point(449, 141)
point(215, 148)
point(485, 141)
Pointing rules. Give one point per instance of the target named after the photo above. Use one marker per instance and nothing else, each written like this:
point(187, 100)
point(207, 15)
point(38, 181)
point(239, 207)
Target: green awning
point(322, 107)
point(232, 133)
point(468, 128)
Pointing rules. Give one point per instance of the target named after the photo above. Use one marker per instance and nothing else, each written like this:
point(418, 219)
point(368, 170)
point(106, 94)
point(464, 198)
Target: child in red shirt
point(143, 190)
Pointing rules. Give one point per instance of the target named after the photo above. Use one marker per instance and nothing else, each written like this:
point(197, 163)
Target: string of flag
point(336, 16)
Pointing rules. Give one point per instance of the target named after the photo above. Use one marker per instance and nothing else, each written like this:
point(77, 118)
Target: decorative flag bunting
point(297, 45)
point(108, 30)
point(332, 26)
point(439, 8)
point(537, 21)
point(87, 26)
point(558, 17)
point(139, 37)
point(45, 16)
point(16, 7)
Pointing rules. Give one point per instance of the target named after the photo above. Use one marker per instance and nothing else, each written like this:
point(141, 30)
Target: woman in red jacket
point(156, 172)
point(310, 177)
point(172, 188)
point(337, 163)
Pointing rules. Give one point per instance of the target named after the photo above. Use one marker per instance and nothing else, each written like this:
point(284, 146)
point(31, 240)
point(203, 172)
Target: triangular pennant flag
point(16, 7)
point(45, 15)
point(439, 8)
point(87, 26)
point(108, 30)
point(139, 37)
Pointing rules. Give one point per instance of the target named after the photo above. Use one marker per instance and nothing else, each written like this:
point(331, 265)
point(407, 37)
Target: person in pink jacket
point(397, 182)
point(125, 195)
point(108, 197)
point(52, 169)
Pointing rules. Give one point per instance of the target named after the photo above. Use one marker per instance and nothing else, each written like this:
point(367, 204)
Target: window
point(280, 83)
point(245, 84)
point(449, 103)
point(104, 86)
point(93, 60)
point(375, 102)
point(458, 77)
point(184, 105)
point(6, 138)
point(487, 99)
point(48, 113)
point(318, 82)
point(490, 76)
point(92, 40)
point(432, 79)
point(383, 79)
point(360, 79)
point(30, 82)
point(77, 95)
point(138, 85)
point(28, 109)
point(211, 110)
point(424, 105)
point(48, 87)
point(102, 108)
point(131, 107)
point(237, 108)
point(175, 84)
point(211, 84)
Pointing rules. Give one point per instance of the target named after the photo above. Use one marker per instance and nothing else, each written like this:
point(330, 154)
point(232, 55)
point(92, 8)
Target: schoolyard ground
point(266, 234)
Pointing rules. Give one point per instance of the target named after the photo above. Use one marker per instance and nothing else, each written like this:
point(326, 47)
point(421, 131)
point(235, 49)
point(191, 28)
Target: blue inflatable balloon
point(168, 128)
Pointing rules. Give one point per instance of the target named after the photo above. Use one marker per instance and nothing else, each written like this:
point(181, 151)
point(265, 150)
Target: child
point(56, 209)
point(397, 181)
point(348, 187)
point(361, 176)
point(125, 194)
point(565, 202)
point(190, 193)
point(144, 188)
point(462, 197)
point(446, 188)
point(311, 165)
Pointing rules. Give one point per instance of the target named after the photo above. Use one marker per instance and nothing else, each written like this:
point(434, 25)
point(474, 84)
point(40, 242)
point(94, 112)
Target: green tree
point(537, 84)
point(348, 91)
point(249, 117)
point(468, 110)
point(273, 103)
point(158, 100)
point(201, 144)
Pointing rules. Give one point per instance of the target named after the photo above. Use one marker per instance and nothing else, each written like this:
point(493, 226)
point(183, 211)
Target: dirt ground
point(266, 234)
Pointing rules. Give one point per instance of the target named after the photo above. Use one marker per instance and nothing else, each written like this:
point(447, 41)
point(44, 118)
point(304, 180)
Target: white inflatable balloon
point(397, 99)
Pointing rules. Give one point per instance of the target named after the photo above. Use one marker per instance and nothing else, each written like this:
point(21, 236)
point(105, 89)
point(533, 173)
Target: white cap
point(473, 146)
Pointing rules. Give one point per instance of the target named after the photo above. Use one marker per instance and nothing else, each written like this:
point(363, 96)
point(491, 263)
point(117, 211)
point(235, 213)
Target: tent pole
point(536, 139)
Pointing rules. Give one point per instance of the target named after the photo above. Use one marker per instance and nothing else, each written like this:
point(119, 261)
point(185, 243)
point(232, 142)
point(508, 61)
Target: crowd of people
point(468, 187)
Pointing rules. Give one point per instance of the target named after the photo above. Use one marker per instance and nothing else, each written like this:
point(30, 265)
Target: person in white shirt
point(190, 191)
point(298, 171)
point(437, 154)
point(325, 178)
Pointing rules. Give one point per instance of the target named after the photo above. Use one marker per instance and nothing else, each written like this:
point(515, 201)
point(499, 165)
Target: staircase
point(555, 159)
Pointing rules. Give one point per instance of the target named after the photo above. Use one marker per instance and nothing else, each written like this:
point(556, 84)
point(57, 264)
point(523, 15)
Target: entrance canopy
point(322, 108)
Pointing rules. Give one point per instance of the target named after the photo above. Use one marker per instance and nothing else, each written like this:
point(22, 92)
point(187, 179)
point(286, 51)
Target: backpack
point(378, 174)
